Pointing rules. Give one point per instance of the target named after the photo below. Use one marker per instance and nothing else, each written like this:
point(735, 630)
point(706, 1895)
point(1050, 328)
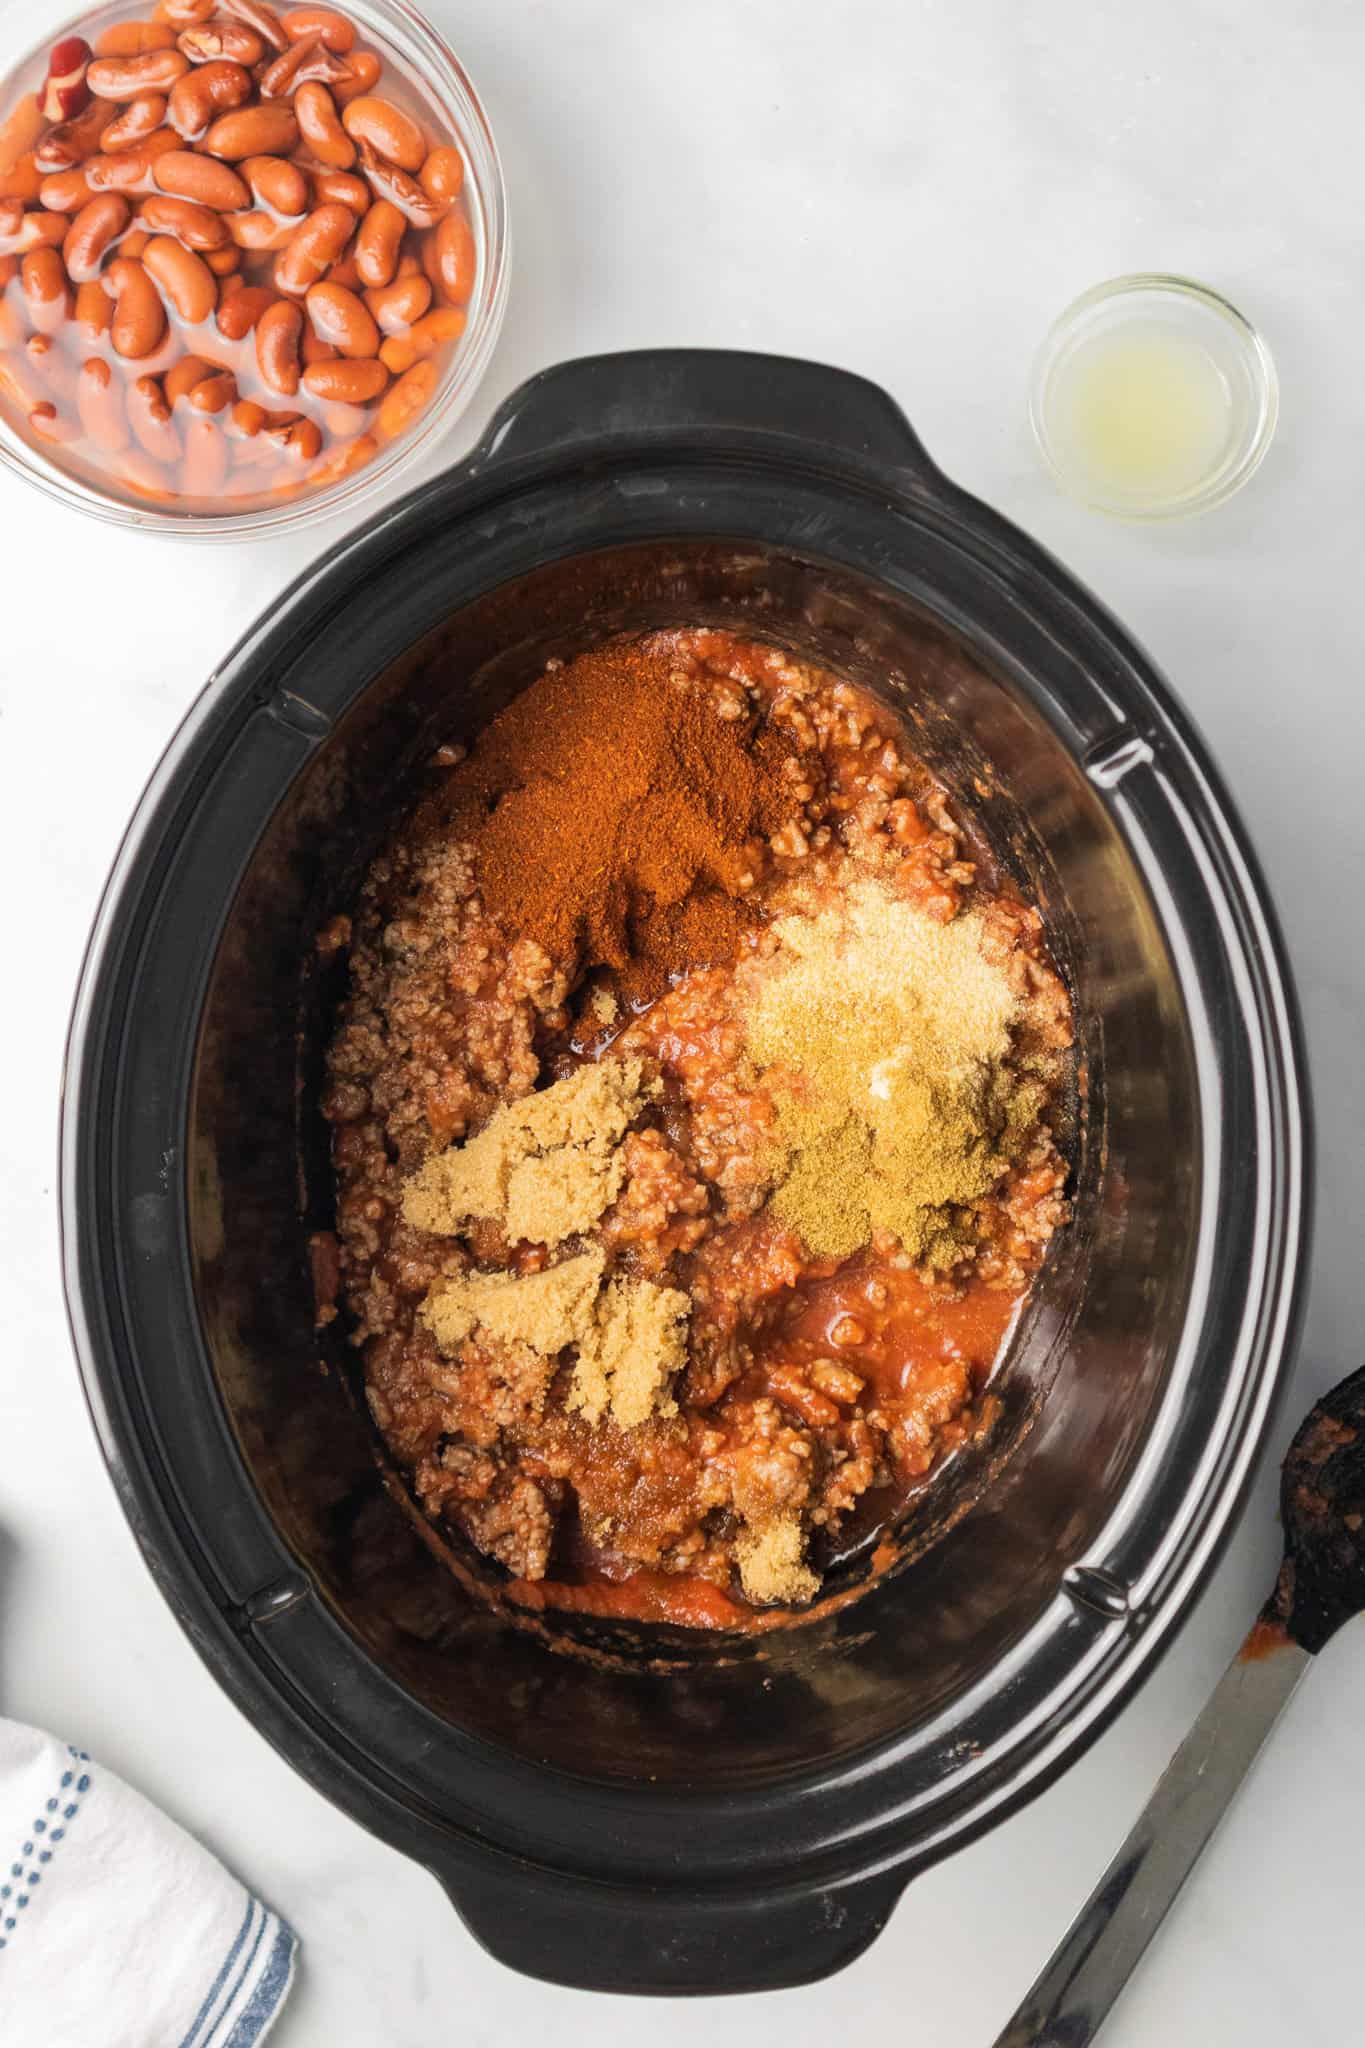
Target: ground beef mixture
point(806, 1395)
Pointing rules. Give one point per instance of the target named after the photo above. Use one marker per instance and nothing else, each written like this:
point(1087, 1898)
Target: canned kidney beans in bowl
point(250, 260)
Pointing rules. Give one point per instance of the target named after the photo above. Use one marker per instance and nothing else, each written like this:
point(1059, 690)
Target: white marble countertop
point(912, 190)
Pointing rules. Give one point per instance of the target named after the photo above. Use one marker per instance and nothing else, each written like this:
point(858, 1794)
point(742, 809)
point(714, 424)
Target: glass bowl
point(1153, 397)
point(436, 83)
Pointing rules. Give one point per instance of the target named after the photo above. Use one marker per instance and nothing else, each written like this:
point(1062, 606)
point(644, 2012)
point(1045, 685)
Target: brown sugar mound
point(626, 1360)
point(544, 1167)
point(546, 1311)
point(771, 1570)
point(614, 810)
point(631, 1336)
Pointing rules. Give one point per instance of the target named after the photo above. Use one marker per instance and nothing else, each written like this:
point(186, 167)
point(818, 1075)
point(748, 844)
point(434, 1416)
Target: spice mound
point(695, 1106)
point(886, 1038)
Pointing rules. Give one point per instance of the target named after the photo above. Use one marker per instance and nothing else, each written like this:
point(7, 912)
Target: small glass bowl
point(433, 76)
point(1188, 323)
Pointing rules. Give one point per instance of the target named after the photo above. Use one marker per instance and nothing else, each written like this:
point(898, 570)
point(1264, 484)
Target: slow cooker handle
point(591, 1937)
point(711, 397)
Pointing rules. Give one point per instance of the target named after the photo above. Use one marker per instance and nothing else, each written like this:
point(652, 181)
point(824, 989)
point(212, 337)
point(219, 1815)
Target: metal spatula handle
point(1069, 2002)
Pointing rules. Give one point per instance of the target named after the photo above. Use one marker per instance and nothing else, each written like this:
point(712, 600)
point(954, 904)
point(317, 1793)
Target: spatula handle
point(1069, 2002)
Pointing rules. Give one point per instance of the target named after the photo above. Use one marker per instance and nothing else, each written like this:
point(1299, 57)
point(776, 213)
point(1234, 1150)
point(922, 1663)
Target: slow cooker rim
point(230, 687)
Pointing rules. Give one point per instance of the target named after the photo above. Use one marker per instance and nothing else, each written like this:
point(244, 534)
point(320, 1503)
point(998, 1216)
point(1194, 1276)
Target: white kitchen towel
point(117, 1930)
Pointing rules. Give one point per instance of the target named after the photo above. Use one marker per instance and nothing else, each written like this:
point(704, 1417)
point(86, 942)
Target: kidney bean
point(314, 247)
point(231, 39)
point(239, 310)
point(50, 425)
point(341, 188)
point(98, 224)
point(20, 231)
point(149, 415)
point(263, 19)
point(20, 133)
point(246, 419)
point(258, 230)
point(182, 377)
point(207, 90)
point(184, 278)
point(333, 28)
point(123, 78)
point(378, 241)
point(405, 399)
point(395, 306)
point(214, 394)
point(400, 351)
point(454, 260)
point(344, 272)
point(134, 242)
point(206, 458)
point(277, 183)
point(320, 126)
point(299, 64)
point(71, 142)
point(139, 119)
point(99, 401)
point(139, 321)
point(134, 38)
point(278, 332)
point(224, 262)
point(131, 169)
point(184, 13)
point(314, 349)
point(400, 189)
point(47, 291)
point(51, 365)
point(345, 460)
point(187, 175)
point(65, 90)
point(442, 175)
point(94, 310)
point(389, 131)
point(268, 129)
point(25, 181)
point(198, 227)
point(354, 382)
point(298, 438)
point(364, 68)
point(340, 317)
point(65, 191)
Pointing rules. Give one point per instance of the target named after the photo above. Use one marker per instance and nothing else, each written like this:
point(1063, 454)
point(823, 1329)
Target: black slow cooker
point(656, 1810)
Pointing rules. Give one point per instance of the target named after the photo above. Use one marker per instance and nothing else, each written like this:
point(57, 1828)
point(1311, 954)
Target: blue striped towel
point(117, 1930)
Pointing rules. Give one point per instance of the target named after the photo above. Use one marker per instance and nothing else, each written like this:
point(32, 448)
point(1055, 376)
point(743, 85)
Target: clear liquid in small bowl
point(1144, 413)
point(1152, 397)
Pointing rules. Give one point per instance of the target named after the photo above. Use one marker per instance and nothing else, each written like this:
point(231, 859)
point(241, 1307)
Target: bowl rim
point(450, 83)
point(1229, 478)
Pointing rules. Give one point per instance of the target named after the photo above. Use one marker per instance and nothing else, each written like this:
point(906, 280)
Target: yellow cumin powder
point(883, 1035)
